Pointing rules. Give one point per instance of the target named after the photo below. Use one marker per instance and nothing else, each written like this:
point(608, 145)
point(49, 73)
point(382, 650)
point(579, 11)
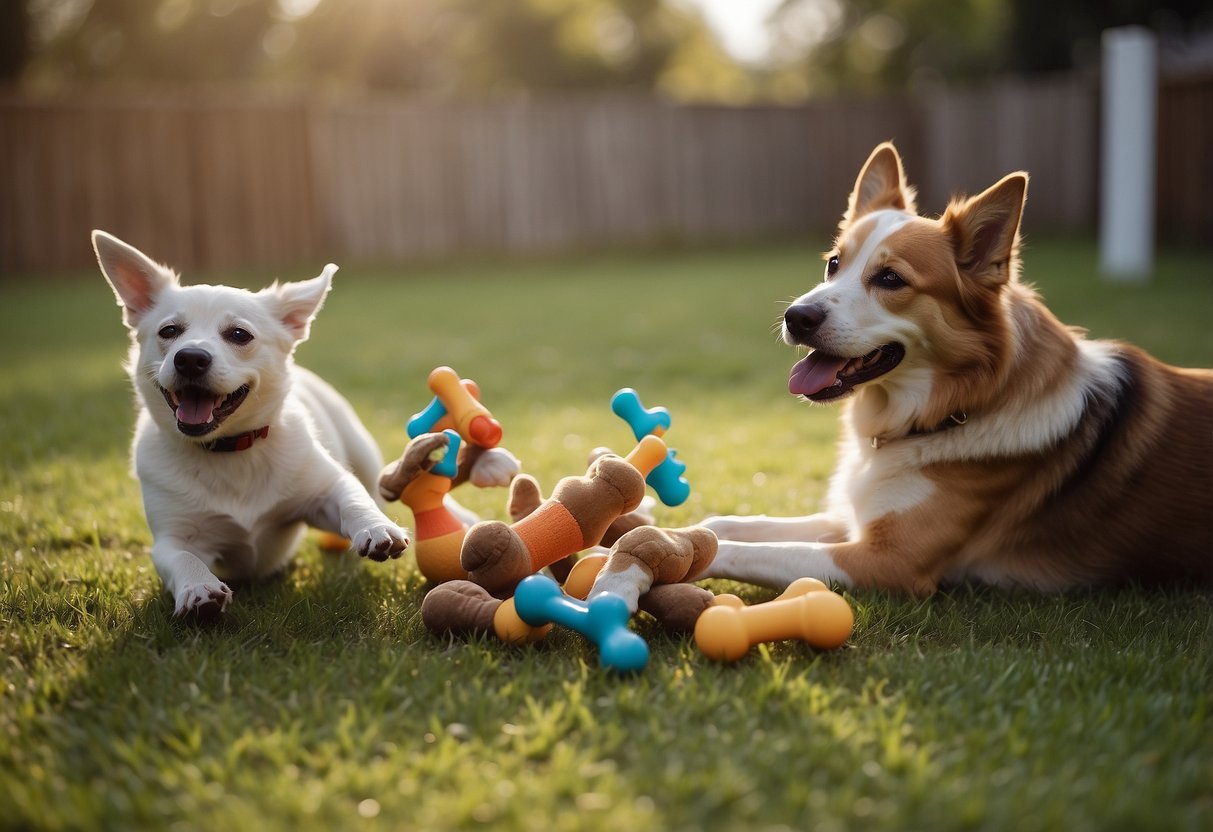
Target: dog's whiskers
point(777, 324)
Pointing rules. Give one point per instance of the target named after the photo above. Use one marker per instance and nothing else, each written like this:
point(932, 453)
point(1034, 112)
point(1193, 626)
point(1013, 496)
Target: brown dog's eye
point(238, 336)
point(888, 279)
point(832, 266)
point(169, 332)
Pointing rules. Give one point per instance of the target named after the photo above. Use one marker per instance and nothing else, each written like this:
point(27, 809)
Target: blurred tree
point(14, 40)
point(837, 46)
point(372, 44)
point(602, 44)
point(440, 46)
point(1046, 35)
point(849, 46)
point(169, 41)
point(451, 47)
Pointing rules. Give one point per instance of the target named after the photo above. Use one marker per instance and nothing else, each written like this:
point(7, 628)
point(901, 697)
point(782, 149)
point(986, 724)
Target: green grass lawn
point(321, 701)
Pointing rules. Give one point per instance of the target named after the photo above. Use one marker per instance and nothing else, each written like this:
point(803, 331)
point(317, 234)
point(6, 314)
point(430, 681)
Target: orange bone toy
point(806, 611)
point(576, 515)
point(456, 404)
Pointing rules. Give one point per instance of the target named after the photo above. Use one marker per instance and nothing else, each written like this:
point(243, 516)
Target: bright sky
point(739, 25)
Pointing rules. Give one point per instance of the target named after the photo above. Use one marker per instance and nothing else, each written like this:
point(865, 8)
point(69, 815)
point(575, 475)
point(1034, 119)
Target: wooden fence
point(1185, 160)
point(218, 183)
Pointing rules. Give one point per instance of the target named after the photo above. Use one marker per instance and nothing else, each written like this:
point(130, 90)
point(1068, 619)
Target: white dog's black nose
point(192, 362)
point(802, 320)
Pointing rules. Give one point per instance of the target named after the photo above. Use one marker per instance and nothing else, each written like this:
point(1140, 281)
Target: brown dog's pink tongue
point(195, 407)
point(814, 373)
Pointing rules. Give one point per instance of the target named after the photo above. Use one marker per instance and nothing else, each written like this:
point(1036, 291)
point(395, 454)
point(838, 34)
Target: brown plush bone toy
point(525, 498)
point(465, 608)
point(650, 567)
point(575, 517)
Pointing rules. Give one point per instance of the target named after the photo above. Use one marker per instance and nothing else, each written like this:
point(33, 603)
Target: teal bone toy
point(666, 479)
point(603, 620)
point(448, 466)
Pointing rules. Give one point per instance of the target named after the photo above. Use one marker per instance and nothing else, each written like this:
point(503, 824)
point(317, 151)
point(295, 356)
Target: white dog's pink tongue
point(814, 373)
point(195, 407)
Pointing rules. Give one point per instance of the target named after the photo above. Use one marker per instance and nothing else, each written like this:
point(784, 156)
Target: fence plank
point(225, 182)
point(1185, 164)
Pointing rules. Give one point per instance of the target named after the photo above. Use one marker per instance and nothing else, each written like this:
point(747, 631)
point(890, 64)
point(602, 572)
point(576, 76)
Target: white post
point(1130, 103)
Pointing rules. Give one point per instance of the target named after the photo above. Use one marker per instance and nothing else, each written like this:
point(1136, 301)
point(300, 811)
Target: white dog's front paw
point(382, 541)
point(203, 602)
point(495, 468)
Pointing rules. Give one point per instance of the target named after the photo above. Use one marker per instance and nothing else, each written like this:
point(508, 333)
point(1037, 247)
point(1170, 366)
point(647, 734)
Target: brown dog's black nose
point(192, 362)
point(802, 320)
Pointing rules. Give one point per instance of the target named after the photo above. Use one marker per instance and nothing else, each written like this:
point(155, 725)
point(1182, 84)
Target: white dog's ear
point(299, 302)
point(881, 184)
point(134, 277)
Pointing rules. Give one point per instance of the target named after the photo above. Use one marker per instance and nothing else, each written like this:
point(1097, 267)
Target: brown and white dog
point(982, 439)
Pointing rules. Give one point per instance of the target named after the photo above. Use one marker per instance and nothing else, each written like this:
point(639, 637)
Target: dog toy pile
point(486, 578)
point(575, 517)
point(430, 467)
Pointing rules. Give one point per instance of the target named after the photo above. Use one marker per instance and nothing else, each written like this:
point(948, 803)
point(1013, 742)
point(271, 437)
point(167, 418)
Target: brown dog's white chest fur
point(981, 438)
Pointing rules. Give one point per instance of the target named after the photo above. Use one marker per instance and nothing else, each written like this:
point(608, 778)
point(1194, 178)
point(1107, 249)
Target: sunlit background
point(391, 129)
point(722, 50)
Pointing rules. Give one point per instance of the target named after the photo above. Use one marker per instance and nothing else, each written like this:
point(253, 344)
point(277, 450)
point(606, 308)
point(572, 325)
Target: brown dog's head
point(909, 313)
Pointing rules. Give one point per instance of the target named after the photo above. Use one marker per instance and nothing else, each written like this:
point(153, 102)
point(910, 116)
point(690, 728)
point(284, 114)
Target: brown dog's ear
point(881, 184)
point(985, 230)
point(134, 277)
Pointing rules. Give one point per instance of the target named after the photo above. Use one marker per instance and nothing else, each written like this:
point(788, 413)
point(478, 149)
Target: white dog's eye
point(169, 332)
point(832, 266)
point(238, 336)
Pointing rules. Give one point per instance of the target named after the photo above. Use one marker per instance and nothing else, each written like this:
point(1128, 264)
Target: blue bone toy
point(425, 421)
point(603, 620)
point(448, 467)
point(667, 478)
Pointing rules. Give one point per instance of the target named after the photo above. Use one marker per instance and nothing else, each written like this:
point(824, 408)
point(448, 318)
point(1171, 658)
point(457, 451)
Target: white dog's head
point(208, 361)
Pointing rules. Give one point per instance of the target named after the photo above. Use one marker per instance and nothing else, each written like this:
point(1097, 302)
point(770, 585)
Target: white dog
point(236, 449)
